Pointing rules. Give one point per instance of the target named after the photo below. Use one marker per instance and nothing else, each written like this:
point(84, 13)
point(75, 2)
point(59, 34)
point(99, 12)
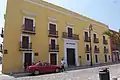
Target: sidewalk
point(88, 66)
point(18, 74)
point(0, 69)
point(22, 74)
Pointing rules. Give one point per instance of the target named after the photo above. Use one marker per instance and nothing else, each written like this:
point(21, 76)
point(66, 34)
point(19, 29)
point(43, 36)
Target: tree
point(114, 36)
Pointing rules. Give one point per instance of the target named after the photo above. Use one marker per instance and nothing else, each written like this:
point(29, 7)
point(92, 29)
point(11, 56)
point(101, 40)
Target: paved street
point(83, 74)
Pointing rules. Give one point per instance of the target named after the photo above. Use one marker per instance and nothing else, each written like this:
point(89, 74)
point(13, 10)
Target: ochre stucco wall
point(13, 61)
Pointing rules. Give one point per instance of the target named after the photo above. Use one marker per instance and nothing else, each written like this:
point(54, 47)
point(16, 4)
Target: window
point(88, 57)
point(105, 58)
point(96, 58)
point(104, 48)
point(28, 24)
point(103, 37)
point(39, 64)
point(95, 47)
point(109, 57)
point(87, 47)
point(70, 32)
point(86, 34)
point(94, 36)
point(52, 28)
point(46, 64)
point(53, 58)
point(53, 43)
point(25, 42)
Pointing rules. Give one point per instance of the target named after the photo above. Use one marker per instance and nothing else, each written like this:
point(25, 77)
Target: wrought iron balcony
point(96, 50)
point(87, 39)
point(72, 36)
point(28, 30)
point(105, 42)
point(53, 48)
point(96, 40)
point(53, 34)
point(25, 47)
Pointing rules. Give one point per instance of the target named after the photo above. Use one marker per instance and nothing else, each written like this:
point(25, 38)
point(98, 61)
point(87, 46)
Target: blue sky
point(2, 12)
point(106, 11)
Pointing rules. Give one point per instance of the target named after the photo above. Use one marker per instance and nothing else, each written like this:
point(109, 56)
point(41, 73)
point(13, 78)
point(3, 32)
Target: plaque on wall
point(71, 43)
point(36, 54)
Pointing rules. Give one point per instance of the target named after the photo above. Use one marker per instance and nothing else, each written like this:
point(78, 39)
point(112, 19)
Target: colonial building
point(115, 47)
point(36, 30)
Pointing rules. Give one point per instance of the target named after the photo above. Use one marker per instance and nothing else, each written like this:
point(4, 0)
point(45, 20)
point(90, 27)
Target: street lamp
point(90, 29)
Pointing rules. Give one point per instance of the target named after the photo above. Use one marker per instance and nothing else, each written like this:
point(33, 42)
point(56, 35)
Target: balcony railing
point(96, 50)
point(28, 30)
point(1, 47)
point(87, 39)
point(106, 51)
point(87, 50)
point(96, 40)
point(53, 48)
point(25, 47)
point(105, 42)
point(72, 36)
point(53, 34)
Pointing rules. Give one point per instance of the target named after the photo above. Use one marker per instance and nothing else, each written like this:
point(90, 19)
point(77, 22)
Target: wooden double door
point(53, 58)
point(71, 57)
point(28, 58)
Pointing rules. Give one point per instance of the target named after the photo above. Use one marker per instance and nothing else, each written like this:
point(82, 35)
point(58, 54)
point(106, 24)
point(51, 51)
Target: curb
point(20, 74)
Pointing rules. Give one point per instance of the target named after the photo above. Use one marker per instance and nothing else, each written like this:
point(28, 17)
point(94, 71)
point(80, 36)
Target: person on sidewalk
point(63, 64)
point(25, 66)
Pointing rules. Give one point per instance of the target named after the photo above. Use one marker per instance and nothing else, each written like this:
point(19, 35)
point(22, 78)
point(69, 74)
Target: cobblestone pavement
point(82, 74)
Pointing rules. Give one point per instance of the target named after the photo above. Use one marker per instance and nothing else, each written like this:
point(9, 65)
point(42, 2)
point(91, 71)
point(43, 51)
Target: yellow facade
point(44, 13)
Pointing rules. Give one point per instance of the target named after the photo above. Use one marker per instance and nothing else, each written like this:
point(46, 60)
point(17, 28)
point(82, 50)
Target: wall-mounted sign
point(36, 54)
point(52, 18)
point(71, 43)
